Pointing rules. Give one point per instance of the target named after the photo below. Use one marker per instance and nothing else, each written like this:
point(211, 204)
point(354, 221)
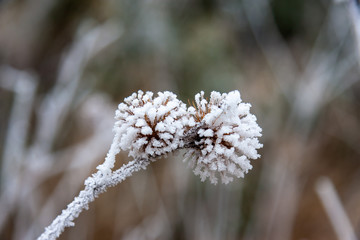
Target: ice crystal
point(150, 127)
point(226, 137)
point(220, 136)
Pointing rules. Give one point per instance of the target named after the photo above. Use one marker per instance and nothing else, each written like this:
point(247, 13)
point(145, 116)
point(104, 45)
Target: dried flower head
point(150, 127)
point(220, 134)
point(226, 137)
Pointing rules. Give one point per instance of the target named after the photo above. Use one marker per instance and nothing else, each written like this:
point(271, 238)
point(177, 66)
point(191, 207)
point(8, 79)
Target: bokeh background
point(65, 65)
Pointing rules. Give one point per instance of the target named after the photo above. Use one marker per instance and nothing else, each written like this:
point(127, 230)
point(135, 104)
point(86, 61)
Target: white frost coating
point(221, 136)
point(227, 137)
point(109, 162)
point(146, 127)
point(159, 121)
point(94, 185)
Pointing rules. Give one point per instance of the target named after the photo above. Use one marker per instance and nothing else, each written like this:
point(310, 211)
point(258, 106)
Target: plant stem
point(94, 185)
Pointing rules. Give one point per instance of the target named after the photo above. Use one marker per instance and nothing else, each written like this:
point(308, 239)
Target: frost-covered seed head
point(226, 137)
point(150, 127)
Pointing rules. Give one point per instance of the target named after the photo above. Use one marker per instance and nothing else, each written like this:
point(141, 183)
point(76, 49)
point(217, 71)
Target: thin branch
point(94, 186)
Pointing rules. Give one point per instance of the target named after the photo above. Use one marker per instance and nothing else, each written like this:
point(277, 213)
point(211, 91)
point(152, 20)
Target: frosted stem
point(109, 162)
point(94, 185)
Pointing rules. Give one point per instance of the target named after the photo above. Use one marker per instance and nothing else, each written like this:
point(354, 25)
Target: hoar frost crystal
point(150, 127)
point(226, 137)
point(219, 136)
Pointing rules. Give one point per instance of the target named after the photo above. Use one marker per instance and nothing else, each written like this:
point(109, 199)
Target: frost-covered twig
point(94, 185)
point(98, 111)
point(221, 136)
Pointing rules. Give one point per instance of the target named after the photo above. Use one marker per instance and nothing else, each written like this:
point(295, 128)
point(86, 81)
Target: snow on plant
point(150, 127)
point(220, 137)
point(226, 137)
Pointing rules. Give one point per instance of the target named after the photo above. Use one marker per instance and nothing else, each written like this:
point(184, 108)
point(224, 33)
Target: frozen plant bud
point(225, 139)
point(150, 127)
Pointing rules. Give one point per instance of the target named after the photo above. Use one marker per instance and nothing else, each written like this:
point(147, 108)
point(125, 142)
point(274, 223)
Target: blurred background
point(65, 65)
